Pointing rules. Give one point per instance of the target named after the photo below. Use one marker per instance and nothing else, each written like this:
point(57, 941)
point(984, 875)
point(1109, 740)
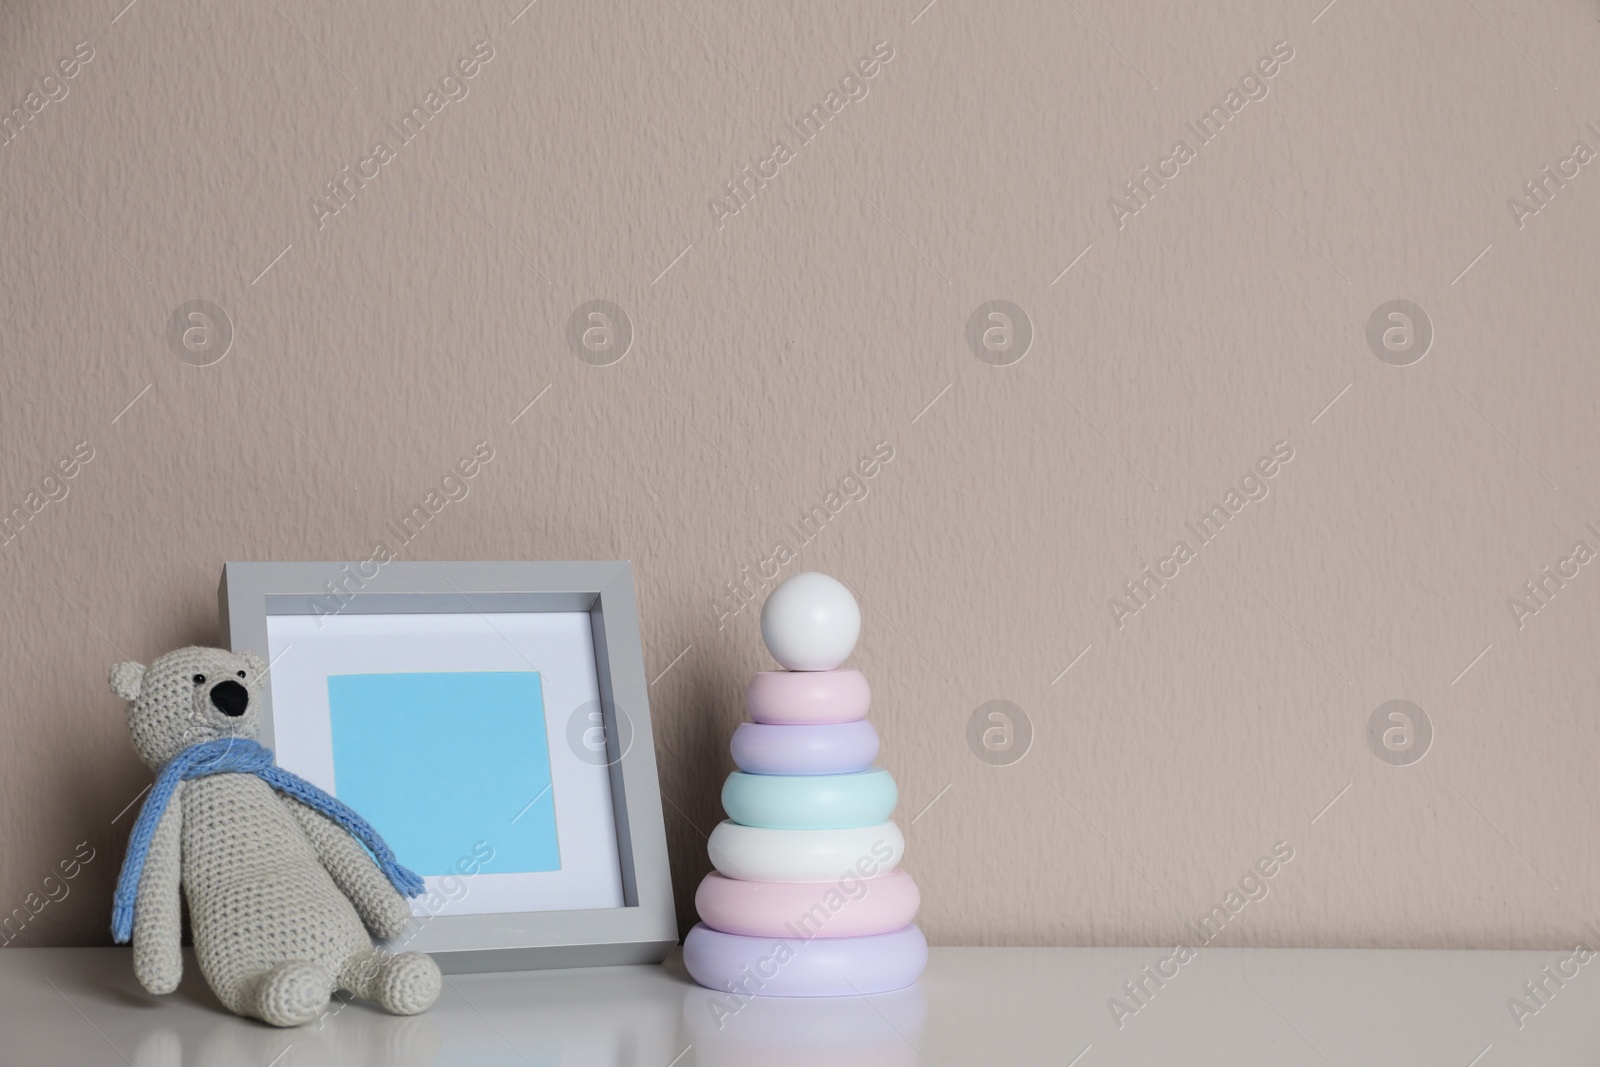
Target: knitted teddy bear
point(281, 891)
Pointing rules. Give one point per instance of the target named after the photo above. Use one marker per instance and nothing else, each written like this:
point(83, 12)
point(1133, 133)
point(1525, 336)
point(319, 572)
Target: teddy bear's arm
point(157, 914)
point(379, 904)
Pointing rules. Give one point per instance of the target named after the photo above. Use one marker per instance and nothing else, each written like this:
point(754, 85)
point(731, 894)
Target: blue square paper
point(439, 762)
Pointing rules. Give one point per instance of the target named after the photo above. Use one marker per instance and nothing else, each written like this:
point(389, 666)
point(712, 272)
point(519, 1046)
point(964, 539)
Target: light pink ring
point(847, 907)
point(798, 698)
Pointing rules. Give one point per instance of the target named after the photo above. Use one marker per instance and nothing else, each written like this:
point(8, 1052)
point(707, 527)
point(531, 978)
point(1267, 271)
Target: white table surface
point(989, 1006)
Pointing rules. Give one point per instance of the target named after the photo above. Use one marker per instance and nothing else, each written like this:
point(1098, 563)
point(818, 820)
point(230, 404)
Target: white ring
point(755, 853)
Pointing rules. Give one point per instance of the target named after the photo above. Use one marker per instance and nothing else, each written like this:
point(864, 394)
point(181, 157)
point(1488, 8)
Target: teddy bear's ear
point(127, 679)
point(257, 665)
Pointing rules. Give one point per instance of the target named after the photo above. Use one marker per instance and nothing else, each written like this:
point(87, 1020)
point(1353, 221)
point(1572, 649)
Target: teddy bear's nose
point(230, 697)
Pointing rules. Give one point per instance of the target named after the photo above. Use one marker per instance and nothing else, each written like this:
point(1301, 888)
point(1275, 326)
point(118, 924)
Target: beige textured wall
point(826, 318)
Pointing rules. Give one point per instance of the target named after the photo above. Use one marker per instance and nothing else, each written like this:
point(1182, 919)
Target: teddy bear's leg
point(291, 993)
point(405, 984)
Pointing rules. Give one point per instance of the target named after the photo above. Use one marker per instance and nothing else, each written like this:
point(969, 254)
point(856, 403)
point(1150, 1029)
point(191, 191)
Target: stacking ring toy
point(802, 697)
point(827, 748)
point(810, 802)
point(821, 967)
point(849, 907)
point(756, 853)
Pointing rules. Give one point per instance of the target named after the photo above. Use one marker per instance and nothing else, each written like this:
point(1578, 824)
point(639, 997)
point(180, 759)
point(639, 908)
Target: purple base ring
point(821, 967)
point(824, 748)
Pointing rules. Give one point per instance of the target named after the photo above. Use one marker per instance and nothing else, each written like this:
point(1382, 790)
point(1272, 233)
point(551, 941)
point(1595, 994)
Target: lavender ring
point(829, 748)
point(821, 967)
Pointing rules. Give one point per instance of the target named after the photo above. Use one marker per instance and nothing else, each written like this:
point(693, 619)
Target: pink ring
point(797, 698)
point(848, 907)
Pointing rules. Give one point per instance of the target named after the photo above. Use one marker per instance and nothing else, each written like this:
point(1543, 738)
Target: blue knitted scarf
point(231, 755)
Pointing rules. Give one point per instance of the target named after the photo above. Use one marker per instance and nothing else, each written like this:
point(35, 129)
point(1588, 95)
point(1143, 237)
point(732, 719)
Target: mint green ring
point(810, 801)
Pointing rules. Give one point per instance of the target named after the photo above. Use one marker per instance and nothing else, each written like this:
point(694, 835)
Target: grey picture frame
point(643, 930)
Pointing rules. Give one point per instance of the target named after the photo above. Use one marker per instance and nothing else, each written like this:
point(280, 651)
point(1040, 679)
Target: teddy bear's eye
point(199, 679)
point(241, 674)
